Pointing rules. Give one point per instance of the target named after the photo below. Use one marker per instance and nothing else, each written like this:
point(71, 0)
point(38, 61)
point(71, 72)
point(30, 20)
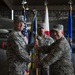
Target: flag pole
point(35, 53)
point(70, 24)
point(24, 32)
point(33, 37)
point(46, 24)
point(69, 27)
point(35, 34)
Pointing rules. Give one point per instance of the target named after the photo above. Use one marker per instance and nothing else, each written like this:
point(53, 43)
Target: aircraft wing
point(6, 23)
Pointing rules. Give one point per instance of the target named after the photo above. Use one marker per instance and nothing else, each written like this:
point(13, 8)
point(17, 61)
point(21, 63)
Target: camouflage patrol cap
point(19, 18)
point(40, 25)
point(57, 27)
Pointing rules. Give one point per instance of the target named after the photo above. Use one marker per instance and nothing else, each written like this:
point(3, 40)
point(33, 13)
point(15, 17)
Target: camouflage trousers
point(44, 71)
point(17, 68)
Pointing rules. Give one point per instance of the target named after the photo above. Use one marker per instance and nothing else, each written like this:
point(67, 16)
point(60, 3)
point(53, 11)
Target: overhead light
point(27, 8)
point(24, 2)
point(70, 2)
point(46, 2)
point(34, 9)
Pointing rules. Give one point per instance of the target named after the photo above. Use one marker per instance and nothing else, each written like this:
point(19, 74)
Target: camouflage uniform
point(46, 40)
point(58, 57)
point(17, 55)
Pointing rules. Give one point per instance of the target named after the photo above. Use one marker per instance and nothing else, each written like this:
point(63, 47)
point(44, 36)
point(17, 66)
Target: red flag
point(46, 24)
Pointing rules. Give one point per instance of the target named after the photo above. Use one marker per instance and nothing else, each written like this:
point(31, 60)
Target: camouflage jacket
point(46, 40)
point(17, 55)
point(58, 57)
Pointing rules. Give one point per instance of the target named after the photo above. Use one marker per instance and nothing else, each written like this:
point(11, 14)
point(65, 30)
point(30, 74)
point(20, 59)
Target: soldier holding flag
point(58, 54)
point(17, 55)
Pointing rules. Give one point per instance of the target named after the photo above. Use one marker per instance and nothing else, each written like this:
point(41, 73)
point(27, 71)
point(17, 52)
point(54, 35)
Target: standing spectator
point(58, 54)
point(43, 40)
point(17, 55)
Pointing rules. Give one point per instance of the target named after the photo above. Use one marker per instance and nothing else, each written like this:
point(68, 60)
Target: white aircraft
point(6, 23)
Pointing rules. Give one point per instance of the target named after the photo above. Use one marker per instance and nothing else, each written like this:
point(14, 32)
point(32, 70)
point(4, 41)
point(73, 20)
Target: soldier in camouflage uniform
point(17, 55)
point(58, 54)
point(43, 40)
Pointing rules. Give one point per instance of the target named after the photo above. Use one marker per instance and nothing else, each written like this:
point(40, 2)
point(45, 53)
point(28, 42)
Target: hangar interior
point(58, 14)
